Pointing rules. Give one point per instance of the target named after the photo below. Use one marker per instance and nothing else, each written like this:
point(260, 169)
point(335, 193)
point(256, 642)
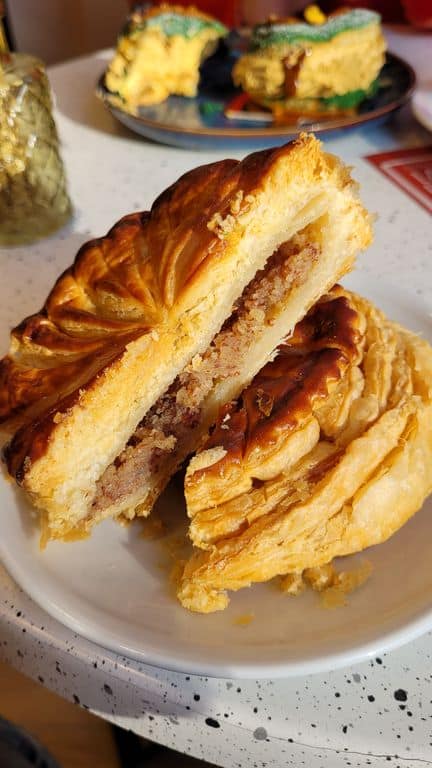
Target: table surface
point(368, 715)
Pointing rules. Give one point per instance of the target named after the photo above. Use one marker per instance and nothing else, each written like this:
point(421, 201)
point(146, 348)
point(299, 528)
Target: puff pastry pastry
point(139, 308)
point(328, 451)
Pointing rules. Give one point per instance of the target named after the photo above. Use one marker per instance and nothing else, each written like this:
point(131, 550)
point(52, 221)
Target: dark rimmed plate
point(200, 123)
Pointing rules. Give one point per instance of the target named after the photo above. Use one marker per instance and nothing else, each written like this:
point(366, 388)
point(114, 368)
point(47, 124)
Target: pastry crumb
point(221, 226)
point(152, 528)
point(244, 620)
point(320, 578)
point(333, 587)
point(344, 583)
point(236, 203)
point(176, 572)
point(292, 584)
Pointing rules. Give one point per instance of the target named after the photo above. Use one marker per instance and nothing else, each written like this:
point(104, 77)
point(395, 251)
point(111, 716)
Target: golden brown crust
point(139, 304)
point(364, 473)
point(120, 287)
point(308, 364)
point(73, 336)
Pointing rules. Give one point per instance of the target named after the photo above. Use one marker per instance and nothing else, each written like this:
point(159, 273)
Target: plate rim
point(86, 629)
point(260, 133)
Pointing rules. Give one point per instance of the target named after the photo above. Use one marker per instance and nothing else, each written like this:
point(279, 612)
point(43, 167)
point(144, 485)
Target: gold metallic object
point(33, 196)
point(3, 42)
point(4, 47)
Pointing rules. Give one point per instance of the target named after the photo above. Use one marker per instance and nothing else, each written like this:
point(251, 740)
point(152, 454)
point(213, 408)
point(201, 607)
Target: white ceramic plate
point(422, 105)
point(114, 588)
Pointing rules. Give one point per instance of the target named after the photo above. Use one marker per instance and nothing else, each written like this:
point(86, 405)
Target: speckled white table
point(374, 714)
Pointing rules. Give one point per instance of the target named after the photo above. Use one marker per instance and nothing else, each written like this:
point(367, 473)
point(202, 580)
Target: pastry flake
point(356, 483)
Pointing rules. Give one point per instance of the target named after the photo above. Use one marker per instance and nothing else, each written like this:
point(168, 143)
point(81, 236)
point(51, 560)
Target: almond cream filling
point(172, 426)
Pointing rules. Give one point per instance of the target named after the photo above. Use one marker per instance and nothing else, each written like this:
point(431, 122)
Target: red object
point(227, 11)
point(390, 10)
point(410, 170)
point(241, 107)
point(418, 12)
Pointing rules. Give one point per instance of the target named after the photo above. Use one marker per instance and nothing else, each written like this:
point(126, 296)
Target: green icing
point(273, 33)
point(178, 24)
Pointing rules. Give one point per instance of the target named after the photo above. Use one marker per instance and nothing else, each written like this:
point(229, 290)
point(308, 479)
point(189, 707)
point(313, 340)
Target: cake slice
point(328, 451)
point(159, 53)
point(331, 65)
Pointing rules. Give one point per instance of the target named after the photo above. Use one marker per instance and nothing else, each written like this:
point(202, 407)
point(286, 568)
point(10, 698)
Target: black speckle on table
point(212, 722)
point(400, 695)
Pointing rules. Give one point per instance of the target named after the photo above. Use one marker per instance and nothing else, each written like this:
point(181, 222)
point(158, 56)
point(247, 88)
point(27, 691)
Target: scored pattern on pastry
point(179, 420)
point(351, 481)
point(272, 422)
point(120, 287)
point(95, 308)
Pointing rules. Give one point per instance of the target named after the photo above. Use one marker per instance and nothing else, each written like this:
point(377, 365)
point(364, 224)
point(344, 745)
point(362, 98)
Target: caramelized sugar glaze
point(119, 288)
point(283, 394)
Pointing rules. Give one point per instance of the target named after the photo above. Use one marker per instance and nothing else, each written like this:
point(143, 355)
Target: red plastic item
point(409, 169)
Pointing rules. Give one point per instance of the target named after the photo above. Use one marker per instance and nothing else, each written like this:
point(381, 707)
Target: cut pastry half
point(328, 451)
point(86, 378)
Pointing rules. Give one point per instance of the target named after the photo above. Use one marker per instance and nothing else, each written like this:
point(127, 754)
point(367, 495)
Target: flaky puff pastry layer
point(359, 474)
point(137, 305)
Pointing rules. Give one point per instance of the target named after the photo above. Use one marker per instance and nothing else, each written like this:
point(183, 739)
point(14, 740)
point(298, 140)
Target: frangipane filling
point(168, 431)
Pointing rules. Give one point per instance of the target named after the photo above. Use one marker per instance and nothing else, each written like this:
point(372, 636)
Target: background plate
point(114, 589)
point(200, 123)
